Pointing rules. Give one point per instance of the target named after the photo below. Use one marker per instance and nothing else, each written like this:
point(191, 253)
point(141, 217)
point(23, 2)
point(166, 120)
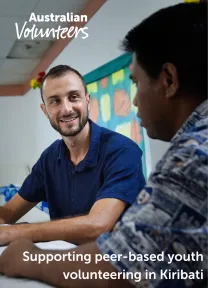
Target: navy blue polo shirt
point(112, 168)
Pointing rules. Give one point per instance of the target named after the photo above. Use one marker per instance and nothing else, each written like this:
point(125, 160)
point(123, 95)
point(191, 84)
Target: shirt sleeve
point(169, 222)
point(32, 189)
point(122, 176)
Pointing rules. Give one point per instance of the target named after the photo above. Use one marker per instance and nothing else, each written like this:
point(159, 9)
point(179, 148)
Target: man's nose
point(66, 106)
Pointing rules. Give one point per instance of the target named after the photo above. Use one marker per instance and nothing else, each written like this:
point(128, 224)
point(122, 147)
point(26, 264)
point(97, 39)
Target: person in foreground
point(169, 69)
point(93, 172)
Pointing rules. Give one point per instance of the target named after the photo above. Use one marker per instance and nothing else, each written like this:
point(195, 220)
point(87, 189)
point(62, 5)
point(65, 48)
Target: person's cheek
point(143, 105)
point(139, 99)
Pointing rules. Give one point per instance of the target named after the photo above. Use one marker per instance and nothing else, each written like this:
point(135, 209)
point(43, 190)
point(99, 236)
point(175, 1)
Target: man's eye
point(74, 97)
point(55, 101)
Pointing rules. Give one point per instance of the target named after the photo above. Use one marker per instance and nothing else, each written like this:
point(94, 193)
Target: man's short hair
point(59, 71)
point(178, 35)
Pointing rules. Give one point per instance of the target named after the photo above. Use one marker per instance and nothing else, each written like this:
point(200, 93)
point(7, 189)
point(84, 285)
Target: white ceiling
point(17, 69)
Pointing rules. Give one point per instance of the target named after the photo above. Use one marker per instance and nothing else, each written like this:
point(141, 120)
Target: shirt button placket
point(73, 181)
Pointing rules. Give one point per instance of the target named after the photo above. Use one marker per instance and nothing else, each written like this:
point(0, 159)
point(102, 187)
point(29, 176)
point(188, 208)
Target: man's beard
point(74, 132)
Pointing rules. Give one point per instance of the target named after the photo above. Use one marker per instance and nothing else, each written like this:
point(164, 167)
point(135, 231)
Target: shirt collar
point(62, 150)
point(91, 158)
point(199, 113)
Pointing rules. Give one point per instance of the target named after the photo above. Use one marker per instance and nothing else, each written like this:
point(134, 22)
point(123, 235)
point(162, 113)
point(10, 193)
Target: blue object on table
point(10, 190)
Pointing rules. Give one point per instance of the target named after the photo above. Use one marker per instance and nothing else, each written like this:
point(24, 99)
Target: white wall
point(24, 130)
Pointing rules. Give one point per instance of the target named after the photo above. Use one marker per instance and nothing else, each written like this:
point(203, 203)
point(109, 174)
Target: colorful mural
point(112, 106)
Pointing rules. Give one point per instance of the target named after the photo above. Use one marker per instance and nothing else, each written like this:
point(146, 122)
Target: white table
point(6, 282)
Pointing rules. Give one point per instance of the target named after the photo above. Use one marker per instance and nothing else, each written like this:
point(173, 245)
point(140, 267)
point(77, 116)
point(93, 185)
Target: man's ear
point(43, 107)
point(170, 79)
point(88, 100)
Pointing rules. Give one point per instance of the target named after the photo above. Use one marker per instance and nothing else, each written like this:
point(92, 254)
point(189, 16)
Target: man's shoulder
point(193, 141)
point(186, 159)
point(56, 144)
point(198, 131)
point(53, 149)
point(114, 141)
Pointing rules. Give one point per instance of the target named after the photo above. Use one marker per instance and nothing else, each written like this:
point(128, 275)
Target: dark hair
point(59, 71)
point(178, 35)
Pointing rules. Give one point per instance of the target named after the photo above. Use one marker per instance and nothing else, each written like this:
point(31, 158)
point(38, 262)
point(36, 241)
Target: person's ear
point(88, 100)
point(170, 79)
point(43, 107)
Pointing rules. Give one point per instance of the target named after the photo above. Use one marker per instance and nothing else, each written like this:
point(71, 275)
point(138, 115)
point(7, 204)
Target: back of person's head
point(178, 35)
point(59, 71)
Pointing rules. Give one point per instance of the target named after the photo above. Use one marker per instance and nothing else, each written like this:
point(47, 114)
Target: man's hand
point(15, 209)
point(11, 260)
point(4, 235)
point(12, 265)
point(10, 233)
point(78, 230)
point(2, 221)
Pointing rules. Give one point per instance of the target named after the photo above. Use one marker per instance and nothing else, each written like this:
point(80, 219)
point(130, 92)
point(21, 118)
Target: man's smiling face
point(66, 104)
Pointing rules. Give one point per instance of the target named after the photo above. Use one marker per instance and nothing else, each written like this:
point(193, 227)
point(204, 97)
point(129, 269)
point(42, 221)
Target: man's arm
point(52, 273)
point(15, 209)
point(123, 179)
point(102, 217)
